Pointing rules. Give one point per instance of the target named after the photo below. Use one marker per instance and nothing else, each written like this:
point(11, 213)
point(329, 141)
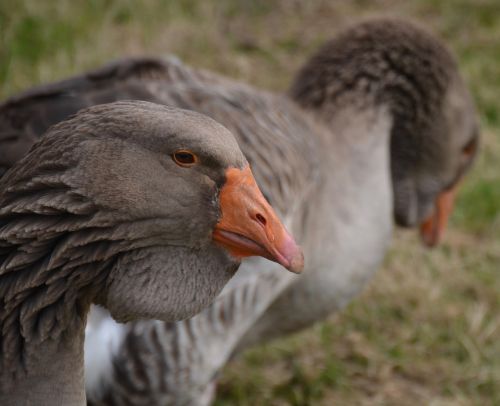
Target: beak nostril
point(261, 219)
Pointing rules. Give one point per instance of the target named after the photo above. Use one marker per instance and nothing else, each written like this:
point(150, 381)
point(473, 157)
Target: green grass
point(427, 331)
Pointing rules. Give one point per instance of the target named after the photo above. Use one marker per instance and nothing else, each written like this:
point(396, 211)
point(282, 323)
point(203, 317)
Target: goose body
point(128, 205)
point(377, 125)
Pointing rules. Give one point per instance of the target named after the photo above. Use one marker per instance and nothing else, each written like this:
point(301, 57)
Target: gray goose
point(144, 209)
point(379, 121)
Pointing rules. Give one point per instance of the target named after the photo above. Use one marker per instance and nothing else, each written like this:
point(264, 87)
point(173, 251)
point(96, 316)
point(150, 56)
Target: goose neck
point(354, 177)
point(49, 372)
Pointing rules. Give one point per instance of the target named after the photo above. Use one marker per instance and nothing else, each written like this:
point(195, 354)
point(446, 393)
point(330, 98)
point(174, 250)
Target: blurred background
point(427, 330)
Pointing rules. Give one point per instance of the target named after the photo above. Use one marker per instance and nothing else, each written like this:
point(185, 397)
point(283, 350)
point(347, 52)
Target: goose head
point(428, 166)
point(434, 133)
point(148, 209)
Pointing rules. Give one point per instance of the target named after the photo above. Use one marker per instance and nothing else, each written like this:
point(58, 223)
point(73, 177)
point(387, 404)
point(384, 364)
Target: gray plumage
point(375, 123)
point(99, 212)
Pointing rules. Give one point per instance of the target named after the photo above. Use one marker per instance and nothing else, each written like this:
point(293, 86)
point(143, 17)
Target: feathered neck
point(57, 247)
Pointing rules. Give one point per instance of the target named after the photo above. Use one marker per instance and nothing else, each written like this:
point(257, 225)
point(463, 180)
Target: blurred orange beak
point(250, 227)
point(432, 228)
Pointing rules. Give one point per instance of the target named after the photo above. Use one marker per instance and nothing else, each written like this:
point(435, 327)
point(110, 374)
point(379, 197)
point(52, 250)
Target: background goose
point(144, 209)
point(382, 89)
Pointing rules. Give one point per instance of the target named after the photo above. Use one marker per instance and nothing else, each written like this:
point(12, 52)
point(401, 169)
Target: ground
point(427, 329)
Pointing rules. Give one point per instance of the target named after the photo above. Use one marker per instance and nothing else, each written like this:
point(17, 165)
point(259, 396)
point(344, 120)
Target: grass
point(427, 330)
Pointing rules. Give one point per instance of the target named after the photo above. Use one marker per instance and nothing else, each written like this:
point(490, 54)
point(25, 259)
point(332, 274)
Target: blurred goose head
point(434, 132)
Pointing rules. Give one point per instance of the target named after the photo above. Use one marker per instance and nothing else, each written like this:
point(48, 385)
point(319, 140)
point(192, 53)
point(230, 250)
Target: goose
point(142, 208)
point(378, 125)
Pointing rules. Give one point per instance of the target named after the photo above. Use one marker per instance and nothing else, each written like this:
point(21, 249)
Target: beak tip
point(297, 263)
point(430, 240)
point(292, 257)
point(289, 254)
point(431, 232)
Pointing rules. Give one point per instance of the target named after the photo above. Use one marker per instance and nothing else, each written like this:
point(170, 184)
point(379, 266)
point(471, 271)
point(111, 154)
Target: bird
point(144, 209)
point(377, 125)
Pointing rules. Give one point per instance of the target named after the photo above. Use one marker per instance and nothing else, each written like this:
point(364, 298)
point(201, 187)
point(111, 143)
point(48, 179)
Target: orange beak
point(249, 226)
point(432, 228)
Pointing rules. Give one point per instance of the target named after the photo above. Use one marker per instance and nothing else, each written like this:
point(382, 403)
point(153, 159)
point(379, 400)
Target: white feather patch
point(103, 339)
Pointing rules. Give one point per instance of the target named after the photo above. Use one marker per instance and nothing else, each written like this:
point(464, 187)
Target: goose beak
point(432, 228)
point(249, 226)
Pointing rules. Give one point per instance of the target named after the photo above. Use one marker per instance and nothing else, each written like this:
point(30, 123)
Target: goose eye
point(184, 158)
point(469, 148)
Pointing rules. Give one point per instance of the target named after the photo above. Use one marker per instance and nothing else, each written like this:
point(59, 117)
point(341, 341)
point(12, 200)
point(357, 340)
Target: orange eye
point(470, 148)
point(184, 158)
